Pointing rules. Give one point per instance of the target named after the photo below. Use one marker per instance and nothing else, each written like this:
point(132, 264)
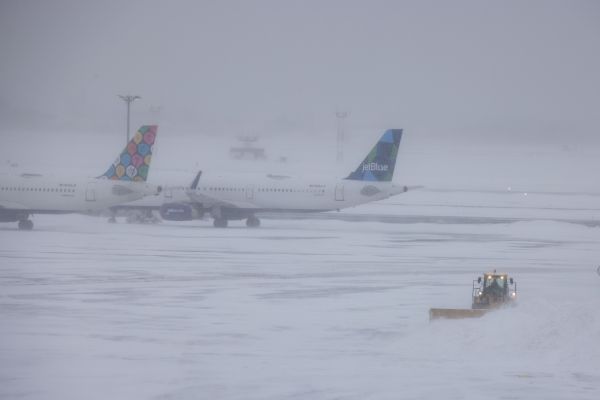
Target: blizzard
point(328, 306)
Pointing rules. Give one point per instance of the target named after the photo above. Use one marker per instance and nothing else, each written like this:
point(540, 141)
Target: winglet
point(134, 162)
point(196, 180)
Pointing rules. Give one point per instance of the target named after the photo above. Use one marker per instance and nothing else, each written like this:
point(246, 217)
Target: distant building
point(248, 149)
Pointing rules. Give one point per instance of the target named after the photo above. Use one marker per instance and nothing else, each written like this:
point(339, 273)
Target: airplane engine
point(179, 212)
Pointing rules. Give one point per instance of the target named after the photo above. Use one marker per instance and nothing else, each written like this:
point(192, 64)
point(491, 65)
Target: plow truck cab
point(490, 291)
point(493, 290)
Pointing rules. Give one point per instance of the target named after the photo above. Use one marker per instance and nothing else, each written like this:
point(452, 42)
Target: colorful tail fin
point(380, 162)
point(134, 162)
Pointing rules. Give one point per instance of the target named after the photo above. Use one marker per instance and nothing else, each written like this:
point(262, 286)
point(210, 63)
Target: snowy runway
point(316, 309)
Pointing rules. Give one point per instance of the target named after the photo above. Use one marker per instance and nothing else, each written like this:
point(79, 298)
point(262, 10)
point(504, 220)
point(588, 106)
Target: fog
point(500, 106)
point(482, 71)
point(466, 80)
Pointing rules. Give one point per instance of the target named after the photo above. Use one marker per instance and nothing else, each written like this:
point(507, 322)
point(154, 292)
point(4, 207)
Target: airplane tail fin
point(196, 180)
point(380, 162)
point(134, 162)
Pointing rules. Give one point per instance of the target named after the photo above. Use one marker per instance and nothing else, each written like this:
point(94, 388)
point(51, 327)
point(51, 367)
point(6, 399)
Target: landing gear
point(141, 217)
point(220, 223)
point(252, 222)
point(25, 225)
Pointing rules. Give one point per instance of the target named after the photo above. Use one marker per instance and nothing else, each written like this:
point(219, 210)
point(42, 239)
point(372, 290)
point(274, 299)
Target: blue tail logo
point(380, 162)
point(134, 162)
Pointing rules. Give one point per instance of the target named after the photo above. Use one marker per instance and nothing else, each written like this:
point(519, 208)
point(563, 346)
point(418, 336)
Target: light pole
point(128, 99)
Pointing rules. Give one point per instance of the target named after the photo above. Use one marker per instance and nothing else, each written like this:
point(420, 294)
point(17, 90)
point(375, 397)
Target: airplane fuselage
point(26, 194)
point(278, 193)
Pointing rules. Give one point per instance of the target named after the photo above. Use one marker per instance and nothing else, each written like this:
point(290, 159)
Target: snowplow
point(489, 292)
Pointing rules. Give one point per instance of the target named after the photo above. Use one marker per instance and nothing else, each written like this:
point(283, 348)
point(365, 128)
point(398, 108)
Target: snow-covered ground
point(331, 307)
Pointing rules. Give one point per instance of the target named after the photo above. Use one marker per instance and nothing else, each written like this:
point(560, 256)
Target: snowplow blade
point(455, 313)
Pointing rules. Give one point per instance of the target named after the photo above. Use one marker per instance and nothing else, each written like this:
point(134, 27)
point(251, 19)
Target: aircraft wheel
point(253, 222)
point(220, 223)
point(25, 225)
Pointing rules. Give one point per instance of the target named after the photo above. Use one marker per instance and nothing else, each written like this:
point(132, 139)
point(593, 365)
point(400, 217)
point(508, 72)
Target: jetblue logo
point(374, 167)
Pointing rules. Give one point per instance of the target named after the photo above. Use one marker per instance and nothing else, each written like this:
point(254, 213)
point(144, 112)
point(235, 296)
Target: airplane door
point(250, 192)
point(339, 192)
point(90, 192)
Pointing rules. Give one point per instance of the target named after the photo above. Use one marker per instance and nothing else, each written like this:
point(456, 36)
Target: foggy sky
point(476, 70)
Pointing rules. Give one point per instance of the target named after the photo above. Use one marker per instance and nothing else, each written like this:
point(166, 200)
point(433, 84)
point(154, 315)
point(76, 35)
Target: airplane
point(243, 196)
point(125, 180)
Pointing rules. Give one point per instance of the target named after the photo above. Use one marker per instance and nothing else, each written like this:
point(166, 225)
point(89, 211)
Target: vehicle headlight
point(513, 294)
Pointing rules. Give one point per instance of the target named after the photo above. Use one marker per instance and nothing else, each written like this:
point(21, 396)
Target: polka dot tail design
point(134, 161)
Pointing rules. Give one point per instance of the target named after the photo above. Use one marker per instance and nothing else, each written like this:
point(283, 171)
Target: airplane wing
point(11, 205)
point(208, 201)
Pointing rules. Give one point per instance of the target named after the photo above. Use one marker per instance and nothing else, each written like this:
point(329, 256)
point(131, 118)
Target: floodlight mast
point(128, 99)
point(340, 115)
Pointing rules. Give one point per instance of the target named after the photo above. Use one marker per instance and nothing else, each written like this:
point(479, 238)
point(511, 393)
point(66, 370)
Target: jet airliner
point(243, 196)
point(124, 181)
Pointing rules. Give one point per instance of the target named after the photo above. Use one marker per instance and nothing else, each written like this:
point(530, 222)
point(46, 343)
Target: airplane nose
point(399, 189)
point(153, 190)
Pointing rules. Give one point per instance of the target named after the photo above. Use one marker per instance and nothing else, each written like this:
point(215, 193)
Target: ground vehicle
point(491, 291)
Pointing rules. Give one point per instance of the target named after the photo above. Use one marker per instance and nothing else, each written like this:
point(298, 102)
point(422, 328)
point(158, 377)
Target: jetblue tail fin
point(380, 162)
point(134, 162)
